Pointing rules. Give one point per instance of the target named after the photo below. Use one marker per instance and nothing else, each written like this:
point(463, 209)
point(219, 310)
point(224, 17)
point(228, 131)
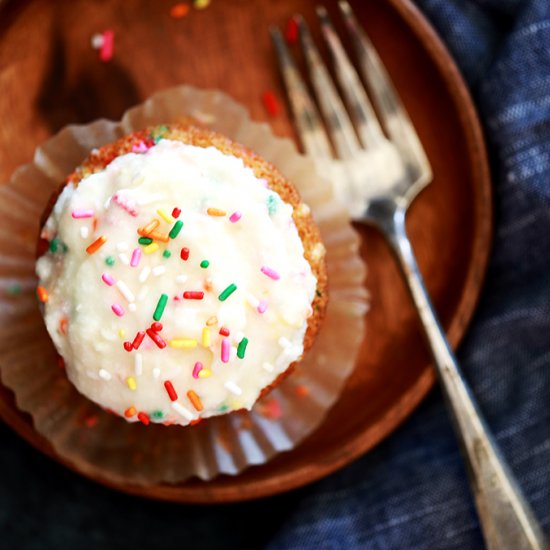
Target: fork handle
point(506, 519)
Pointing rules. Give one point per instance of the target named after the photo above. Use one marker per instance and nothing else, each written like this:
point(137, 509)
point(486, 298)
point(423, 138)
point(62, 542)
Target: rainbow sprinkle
point(174, 232)
point(241, 348)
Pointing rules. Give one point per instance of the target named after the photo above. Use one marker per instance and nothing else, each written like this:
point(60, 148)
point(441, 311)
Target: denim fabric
point(411, 491)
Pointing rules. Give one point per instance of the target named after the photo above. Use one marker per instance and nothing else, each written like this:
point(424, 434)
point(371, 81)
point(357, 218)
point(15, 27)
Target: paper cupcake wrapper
point(100, 444)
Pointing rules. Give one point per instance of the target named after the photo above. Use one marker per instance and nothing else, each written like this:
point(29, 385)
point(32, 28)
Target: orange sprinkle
point(195, 400)
point(42, 294)
point(215, 212)
point(149, 228)
point(178, 11)
point(96, 245)
point(63, 326)
point(131, 411)
point(301, 391)
point(207, 285)
point(94, 224)
point(162, 237)
point(212, 321)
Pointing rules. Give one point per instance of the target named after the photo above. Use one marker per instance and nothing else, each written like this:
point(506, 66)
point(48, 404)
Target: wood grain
point(50, 76)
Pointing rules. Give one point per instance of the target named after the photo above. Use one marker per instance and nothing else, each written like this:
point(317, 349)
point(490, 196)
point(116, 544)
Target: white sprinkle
point(253, 302)
point(159, 270)
point(125, 291)
point(148, 199)
point(122, 247)
point(284, 342)
point(132, 307)
point(233, 388)
point(84, 232)
point(186, 413)
point(267, 366)
point(124, 258)
point(142, 293)
point(138, 364)
point(96, 41)
point(105, 375)
point(144, 274)
point(78, 307)
point(180, 279)
point(156, 373)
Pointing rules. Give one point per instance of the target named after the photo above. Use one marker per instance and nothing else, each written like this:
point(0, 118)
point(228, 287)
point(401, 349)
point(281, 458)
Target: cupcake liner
point(101, 444)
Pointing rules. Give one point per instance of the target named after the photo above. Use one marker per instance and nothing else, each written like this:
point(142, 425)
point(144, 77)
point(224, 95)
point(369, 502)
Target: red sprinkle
point(193, 294)
point(176, 213)
point(156, 338)
point(224, 331)
point(108, 45)
point(271, 103)
point(138, 339)
point(171, 391)
point(291, 33)
point(128, 346)
point(184, 254)
point(156, 326)
point(143, 418)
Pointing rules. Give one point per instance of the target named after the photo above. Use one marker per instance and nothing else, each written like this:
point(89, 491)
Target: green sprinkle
point(272, 204)
point(109, 260)
point(64, 248)
point(54, 245)
point(158, 133)
point(318, 294)
point(174, 232)
point(205, 264)
point(157, 415)
point(14, 289)
point(145, 240)
point(223, 408)
point(241, 348)
point(167, 253)
point(159, 310)
point(227, 292)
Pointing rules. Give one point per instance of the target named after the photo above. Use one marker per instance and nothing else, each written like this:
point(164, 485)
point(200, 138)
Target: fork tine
point(336, 118)
point(306, 117)
point(391, 110)
point(360, 107)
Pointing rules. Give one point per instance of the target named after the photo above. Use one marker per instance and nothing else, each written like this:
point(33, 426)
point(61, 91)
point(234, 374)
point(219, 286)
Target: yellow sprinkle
point(165, 216)
point(206, 337)
point(183, 343)
point(121, 333)
point(150, 248)
point(205, 373)
point(201, 4)
point(131, 383)
point(236, 405)
point(215, 212)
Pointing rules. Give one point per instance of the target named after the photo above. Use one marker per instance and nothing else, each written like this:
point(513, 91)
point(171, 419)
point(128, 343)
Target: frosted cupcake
point(181, 276)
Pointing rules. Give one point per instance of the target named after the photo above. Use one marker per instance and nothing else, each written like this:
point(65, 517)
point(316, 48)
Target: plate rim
point(199, 492)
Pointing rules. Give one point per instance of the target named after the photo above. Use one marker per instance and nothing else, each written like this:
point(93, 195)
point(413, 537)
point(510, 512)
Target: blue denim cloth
point(411, 491)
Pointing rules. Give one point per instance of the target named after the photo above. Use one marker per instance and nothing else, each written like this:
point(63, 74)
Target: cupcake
point(180, 274)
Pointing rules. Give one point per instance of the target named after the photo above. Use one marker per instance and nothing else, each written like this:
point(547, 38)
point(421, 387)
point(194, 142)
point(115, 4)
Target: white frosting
point(90, 335)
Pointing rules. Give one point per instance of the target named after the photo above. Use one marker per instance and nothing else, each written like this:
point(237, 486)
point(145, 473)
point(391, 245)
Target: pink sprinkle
point(262, 306)
point(197, 369)
point(118, 310)
point(271, 273)
point(107, 279)
point(235, 217)
point(125, 205)
point(136, 257)
point(83, 213)
point(140, 147)
point(225, 350)
point(107, 46)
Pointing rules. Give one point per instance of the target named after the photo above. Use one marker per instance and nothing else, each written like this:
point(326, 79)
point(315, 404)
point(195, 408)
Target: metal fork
point(377, 174)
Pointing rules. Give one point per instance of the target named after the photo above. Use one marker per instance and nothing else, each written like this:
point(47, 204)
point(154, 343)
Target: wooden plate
point(50, 76)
